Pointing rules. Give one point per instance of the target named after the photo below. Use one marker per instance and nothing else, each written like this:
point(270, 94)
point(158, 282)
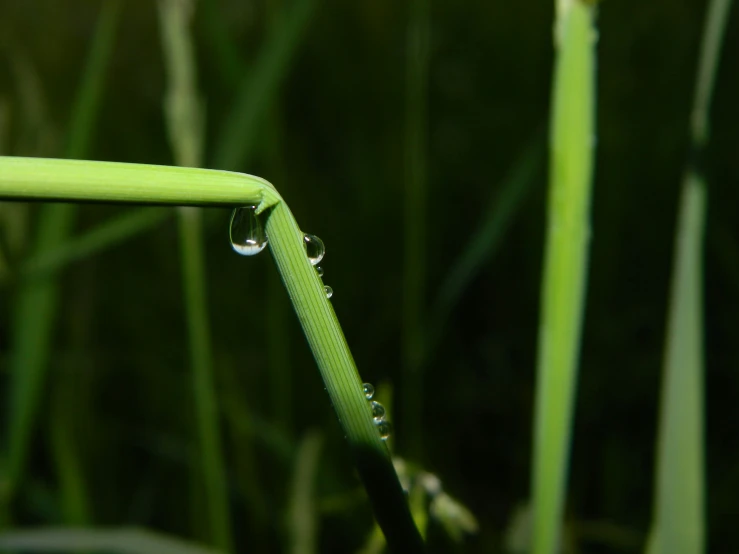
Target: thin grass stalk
point(37, 301)
point(679, 500)
point(114, 182)
point(565, 265)
point(416, 183)
point(185, 121)
point(344, 386)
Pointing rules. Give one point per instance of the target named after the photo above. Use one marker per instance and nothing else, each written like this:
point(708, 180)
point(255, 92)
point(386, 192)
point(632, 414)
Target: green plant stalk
point(340, 375)
point(679, 499)
point(117, 182)
point(185, 120)
point(114, 182)
point(38, 301)
point(416, 182)
point(565, 266)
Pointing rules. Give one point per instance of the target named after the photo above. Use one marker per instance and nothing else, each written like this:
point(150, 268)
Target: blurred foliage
point(340, 165)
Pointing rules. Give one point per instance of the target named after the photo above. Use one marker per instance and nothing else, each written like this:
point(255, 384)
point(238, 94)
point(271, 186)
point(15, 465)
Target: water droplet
point(378, 410)
point(247, 232)
point(369, 390)
point(384, 428)
point(314, 248)
point(319, 270)
point(329, 291)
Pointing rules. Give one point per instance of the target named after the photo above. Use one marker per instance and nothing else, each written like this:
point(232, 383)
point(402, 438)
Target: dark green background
point(333, 144)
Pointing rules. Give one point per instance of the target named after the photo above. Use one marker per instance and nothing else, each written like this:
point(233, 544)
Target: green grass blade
point(679, 500)
point(414, 219)
point(110, 233)
point(679, 507)
point(235, 145)
point(117, 541)
point(77, 180)
point(186, 121)
point(565, 266)
point(37, 301)
point(335, 362)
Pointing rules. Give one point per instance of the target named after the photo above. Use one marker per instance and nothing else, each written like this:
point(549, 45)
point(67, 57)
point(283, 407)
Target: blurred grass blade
point(37, 301)
point(108, 234)
point(235, 145)
point(302, 512)
point(414, 220)
point(484, 242)
point(185, 121)
point(565, 266)
point(679, 500)
point(115, 541)
point(679, 507)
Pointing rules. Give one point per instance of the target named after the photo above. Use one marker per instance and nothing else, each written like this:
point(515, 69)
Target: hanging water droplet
point(369, 390)
point(314, 248)
point(384, 428)
point(247, 232)
point(329, 291)
point(319, 270)
point(378, 410)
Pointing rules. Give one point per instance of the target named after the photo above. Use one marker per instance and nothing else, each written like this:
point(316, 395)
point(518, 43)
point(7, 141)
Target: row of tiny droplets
point(248, 238)
point(378, 412)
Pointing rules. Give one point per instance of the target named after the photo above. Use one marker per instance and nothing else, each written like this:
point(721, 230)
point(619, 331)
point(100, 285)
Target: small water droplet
point(384, 428)
point(314, 248)
point(378, 410)
point(369, 390)
point(319, 270)
point(329, 291)
point(247, 232)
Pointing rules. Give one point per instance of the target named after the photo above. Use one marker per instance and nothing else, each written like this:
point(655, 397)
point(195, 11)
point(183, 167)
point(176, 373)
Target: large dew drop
point(247, 232)
point(314, 248)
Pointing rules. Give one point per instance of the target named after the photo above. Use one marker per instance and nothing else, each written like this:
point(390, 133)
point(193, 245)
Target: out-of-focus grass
point(116, 541)
point(236, 142)
point(679, 510)
point(564, 280)
point(38, 300)
point(186, 121)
